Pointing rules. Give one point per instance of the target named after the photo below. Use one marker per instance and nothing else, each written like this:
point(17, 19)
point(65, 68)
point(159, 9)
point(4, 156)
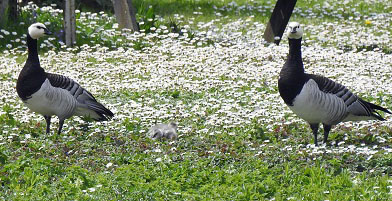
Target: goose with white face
point(294, 30)
point(38, 30)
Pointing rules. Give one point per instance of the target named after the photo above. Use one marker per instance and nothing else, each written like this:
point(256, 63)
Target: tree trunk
point(13, 10)
point(8, 11)
point(132, 13)
point(70, 23)
point(278, 21)
point(3, 11)
point(125, 14)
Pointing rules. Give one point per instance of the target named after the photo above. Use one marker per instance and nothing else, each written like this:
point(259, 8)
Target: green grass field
point(237, 139)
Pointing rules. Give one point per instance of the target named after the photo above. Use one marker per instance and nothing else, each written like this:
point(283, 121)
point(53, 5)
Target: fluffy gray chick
point(159, 131)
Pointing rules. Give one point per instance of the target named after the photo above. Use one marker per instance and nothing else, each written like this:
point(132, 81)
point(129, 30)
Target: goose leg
point(47, 119)
point(327, 128)
point(61, 123)
point(314, 128)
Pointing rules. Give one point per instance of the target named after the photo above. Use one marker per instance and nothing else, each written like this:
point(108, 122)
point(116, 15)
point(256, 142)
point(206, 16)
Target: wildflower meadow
point(205, 65)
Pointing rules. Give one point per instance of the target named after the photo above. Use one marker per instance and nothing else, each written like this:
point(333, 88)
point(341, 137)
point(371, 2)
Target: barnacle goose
point(51, 94)
point(317, 99)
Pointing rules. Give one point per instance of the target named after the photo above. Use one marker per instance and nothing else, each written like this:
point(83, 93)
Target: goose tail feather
point(103, 113)
point(374, 107)
point(94, 110)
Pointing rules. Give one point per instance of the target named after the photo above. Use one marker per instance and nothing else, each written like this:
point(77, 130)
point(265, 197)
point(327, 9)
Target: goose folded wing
point(85, 98)
point(355, 106)
point(71, 86)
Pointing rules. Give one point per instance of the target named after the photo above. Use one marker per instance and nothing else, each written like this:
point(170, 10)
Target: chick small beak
point(47, 32)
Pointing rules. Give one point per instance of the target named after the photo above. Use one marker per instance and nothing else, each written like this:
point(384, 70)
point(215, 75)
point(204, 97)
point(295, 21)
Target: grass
point(216, 176)
point(237, 140)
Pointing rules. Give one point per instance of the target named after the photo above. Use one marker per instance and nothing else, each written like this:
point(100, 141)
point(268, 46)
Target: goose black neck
point(295, 49)
point(32, 48)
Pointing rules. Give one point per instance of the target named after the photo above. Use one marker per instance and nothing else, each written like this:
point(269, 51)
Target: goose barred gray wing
point(355, 105)
point(83, 97)
point(67, 83)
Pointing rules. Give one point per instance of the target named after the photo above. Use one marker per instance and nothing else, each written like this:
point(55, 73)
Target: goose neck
point(32, 49)
point(295, 49)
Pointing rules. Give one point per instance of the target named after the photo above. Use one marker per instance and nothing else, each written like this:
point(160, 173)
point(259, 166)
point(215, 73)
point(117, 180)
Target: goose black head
point(38, 30)
point(294, 30)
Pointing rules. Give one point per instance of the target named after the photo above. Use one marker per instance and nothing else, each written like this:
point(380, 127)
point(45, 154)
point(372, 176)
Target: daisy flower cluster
point(225, 85)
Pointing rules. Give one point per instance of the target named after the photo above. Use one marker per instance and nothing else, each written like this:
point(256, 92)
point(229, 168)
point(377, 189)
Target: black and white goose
point(51, 94)
point(317, 99)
